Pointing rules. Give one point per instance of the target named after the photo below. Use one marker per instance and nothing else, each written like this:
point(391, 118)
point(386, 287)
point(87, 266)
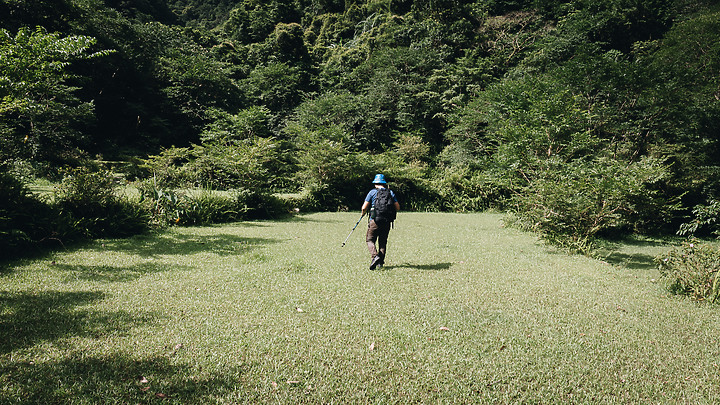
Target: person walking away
point(383, 207)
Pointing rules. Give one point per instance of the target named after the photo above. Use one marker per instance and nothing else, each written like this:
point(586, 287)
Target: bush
point(705, 220)
point(462, 189)
point(247, 163)
point(88, 206)
point(259, 205)
point(332, 177)
point(169, 167)
point(571, 204)
point(206, 207)
point(161, 203)
point(692, 270)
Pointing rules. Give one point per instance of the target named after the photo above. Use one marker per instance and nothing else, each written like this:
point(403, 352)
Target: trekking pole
point(353, 230)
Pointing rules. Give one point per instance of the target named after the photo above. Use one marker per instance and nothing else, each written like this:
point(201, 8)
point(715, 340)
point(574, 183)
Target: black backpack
point(383, 207)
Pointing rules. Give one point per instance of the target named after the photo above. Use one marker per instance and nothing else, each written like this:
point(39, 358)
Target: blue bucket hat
point(379, 179)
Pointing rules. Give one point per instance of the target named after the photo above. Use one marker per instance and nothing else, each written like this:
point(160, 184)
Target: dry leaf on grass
point(176, 348)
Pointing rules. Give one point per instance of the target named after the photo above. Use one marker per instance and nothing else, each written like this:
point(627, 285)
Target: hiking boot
point(374, 262)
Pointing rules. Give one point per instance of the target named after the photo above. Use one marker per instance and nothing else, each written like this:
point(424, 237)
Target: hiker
point(383, 205)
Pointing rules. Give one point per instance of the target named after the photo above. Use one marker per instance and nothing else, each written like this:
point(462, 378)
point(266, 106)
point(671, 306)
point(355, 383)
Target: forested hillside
point(583, 118)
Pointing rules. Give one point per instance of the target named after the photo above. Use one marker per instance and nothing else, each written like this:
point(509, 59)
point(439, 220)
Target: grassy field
point(465, 311)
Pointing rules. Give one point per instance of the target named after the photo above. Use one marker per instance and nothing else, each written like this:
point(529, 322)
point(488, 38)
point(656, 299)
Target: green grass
point(465, 311)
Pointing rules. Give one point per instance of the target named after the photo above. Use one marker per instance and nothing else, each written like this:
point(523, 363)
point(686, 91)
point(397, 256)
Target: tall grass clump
point(208, 207)
point(170, 206)
point(692, 269)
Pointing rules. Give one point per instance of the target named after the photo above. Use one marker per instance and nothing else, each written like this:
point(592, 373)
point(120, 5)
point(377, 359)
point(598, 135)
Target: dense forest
point(582, 118)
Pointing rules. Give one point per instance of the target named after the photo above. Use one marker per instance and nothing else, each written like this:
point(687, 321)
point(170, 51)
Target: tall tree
point(42, 118)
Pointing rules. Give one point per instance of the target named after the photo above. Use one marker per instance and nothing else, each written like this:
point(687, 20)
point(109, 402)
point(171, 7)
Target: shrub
point(246, 163)
point(414, 191)
point(692, 269)
point(705, 220)
point(462, 189)
point(259, 205)
point(162, 204)
point(333, 177)
point(169, 167)
point(170, 207)
point(88, 206)
point(569, 205)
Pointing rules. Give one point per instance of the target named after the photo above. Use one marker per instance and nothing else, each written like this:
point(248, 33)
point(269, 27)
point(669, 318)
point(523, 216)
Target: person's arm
point(397, 206)
point(365, 208)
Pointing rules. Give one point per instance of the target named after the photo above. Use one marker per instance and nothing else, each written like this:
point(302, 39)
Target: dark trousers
point(377, 233)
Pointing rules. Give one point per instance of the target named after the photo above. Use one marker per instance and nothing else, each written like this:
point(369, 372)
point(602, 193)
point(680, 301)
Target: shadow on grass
point(429, 267)
point(635, 261)
point(113, 378)
point(112, 274)
point(29, 318)
point(178, 244)
point(306, 218)
point(631, 252)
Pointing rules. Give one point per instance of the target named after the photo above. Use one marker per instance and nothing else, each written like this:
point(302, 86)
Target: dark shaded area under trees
point(583, 118)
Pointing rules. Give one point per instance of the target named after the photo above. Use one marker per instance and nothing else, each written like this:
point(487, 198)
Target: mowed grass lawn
point(465, 311)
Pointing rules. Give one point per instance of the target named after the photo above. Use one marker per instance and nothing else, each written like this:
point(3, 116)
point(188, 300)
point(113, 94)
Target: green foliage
point(162, 204)
point(89, 207)
point(411, 148)
point(42, 116)
point(169, 167)
point(461, 104)
point(686, 67)
point(338, 116)
point(693, 270)
point(243, 164)
point(253, 20)
point(207, 207)
point(145, 10)
point(533, 120)
point(462, 189)
point(237, 152)
point(258, 204)
point(246, 124)
point(276, 86)
point(333, 177)
point(705, 220)
point(572, 204)
point(169, 207)
point(617, 24)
